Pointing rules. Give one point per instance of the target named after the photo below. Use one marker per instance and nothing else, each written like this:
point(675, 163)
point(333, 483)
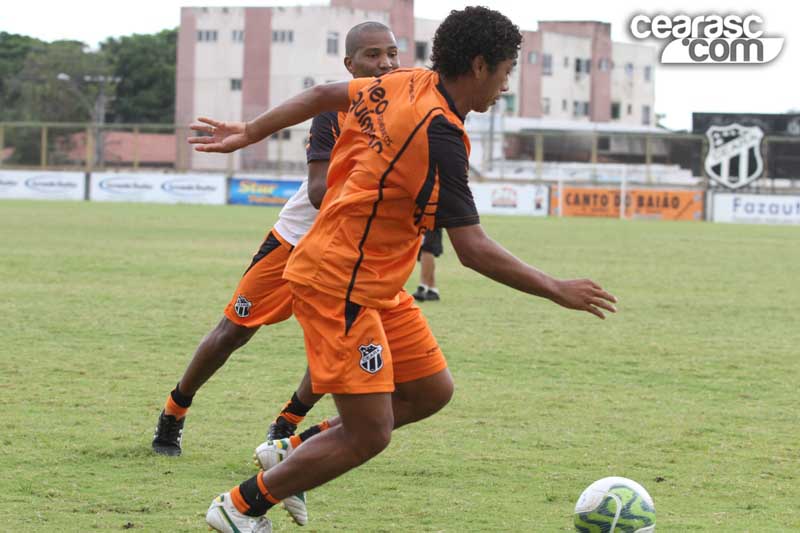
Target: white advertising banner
point(756, 208)
point(34, 185)
point(158, 188)
point(510, 199)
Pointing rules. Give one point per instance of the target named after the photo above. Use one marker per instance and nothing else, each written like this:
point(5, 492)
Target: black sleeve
point(448, 158)
point(322, 137)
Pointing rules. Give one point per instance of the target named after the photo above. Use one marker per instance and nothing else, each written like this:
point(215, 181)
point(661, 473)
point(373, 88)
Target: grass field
point(691, 389)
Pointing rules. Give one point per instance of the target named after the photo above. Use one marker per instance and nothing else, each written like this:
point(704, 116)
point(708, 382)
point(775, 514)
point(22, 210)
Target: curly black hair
point(471, 32)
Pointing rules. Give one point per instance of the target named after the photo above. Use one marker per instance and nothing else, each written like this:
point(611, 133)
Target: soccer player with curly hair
point(398, 169)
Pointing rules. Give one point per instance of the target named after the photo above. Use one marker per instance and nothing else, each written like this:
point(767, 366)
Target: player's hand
point(222, 137)
point(584, 295)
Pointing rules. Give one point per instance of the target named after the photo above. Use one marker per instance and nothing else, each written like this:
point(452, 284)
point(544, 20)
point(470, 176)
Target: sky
point(680, 90)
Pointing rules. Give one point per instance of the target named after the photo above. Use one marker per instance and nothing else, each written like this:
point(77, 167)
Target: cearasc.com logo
point(709, 39)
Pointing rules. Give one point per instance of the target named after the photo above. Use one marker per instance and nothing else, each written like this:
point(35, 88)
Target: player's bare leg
point(411, 402)
point(427, 278)
point(212, 352)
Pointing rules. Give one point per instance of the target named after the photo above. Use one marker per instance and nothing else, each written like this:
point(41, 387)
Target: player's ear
point(348, 64)
point(479, 67)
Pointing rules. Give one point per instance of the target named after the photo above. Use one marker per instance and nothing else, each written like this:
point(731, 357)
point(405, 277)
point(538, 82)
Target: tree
point(145, 65)
point(13, 51)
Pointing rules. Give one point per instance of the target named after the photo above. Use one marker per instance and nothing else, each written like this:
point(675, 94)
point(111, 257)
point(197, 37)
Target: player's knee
point(229, 337)
point(368, 444)
point(441, 394)
point(377, 442)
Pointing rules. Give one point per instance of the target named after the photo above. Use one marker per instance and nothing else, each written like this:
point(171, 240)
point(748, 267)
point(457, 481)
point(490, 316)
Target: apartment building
point(237, 62)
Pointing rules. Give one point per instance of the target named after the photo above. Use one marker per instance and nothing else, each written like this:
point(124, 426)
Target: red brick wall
point(530, 75)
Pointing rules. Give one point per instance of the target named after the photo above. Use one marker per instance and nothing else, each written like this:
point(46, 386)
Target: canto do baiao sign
point(709, 39)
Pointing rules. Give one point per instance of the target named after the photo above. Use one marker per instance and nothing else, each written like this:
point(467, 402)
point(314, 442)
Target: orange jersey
point(398, 168)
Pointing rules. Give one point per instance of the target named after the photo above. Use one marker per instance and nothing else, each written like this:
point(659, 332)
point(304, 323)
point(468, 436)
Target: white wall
point(633, 90)
point(562, 84)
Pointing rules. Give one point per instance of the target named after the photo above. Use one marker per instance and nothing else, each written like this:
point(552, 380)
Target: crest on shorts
point(371, 358)
point(242, 307)
point(734, 154)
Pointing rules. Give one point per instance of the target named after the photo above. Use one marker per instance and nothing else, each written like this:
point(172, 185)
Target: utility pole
point(97, 109)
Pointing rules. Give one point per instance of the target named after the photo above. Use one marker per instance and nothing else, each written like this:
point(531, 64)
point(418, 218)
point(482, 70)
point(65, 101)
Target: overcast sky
point(770, 88)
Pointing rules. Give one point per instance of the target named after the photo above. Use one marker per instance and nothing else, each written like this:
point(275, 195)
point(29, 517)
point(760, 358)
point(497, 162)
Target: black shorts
point(432, 242)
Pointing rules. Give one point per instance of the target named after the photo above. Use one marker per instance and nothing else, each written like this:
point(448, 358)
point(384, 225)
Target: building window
point(402, 44)
point(421, 51)
point(282, 36)
point(207, 36)
point(333, 43)
point(648, 73)
point(582, 66)
point(308, 82)
point(564, 104)
point(547, 65)
point(615, 110)
point(238, 36)
point(629, 69)
point(604, 65)
point(545, 106)
point(630, 109)
point(566, 62)
point(283, 134)
point(533, 57)
point(580, 109)
point(236, 84)
point(646, 115)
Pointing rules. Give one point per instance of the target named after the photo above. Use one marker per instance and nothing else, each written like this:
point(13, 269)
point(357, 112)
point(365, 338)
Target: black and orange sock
point(252, 497)
point(177, 404)
point(294, 411)
point(313, 430)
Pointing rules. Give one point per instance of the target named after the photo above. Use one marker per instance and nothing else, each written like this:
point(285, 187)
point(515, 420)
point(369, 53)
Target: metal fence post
point(136, 148)
point(43, 152)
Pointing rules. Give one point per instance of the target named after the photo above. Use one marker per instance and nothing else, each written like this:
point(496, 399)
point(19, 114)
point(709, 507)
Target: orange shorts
point(263, 296)
point(358, 350)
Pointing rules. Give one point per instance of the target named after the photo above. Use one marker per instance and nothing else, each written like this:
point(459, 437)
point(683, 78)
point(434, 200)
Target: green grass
point(691, 389)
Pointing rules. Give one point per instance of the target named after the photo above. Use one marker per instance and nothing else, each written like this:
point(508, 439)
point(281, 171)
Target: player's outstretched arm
point(476, 250)
point(227, 137)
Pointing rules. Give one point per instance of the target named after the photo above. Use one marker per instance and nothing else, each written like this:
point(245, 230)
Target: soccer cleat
point(268, 455)
point(223, 516)
point(281, 429)
point(421, 294)
point(168, 435)
point(432, 296)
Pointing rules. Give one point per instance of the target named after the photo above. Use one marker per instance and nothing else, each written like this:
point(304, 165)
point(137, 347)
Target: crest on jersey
point(734, 155)
point(371, 358)
point(242, 307)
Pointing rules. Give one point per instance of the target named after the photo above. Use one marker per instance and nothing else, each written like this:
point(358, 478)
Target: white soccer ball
point(615, 505)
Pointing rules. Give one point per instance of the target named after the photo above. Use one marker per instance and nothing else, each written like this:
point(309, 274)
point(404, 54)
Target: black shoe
point(280, 429)
point(432, 296)
point(168, 435)
point(420, 295)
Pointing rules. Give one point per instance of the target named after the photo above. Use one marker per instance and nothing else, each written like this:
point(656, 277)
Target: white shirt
point(297, 216)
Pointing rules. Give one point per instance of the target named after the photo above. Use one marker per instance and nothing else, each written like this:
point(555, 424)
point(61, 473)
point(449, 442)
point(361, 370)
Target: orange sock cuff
point(238, 500)
point(263, 488)
point(295, 441)
point(324, 425)
point(173, 409)
point(292, 418)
